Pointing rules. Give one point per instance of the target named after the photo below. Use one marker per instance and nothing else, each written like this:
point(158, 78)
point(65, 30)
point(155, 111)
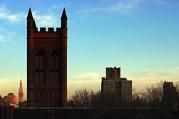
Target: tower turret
point(31, 26)
point(64, 52)
point(29, 16)
point(64, 19)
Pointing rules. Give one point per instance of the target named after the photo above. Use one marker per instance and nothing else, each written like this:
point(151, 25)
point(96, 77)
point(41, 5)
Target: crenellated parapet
point(32, 28)
point(48, 29)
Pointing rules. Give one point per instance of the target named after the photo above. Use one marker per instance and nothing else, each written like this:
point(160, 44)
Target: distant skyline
point(140, 36)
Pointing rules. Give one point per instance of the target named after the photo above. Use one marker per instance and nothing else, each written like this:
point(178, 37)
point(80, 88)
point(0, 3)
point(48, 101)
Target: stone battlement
point(49, 29)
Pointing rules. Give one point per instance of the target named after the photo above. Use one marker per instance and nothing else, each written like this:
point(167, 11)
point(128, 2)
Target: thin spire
point(20, 87)
point(20, 83)
point(30, 14)
point(20, 92)
point(64, 15)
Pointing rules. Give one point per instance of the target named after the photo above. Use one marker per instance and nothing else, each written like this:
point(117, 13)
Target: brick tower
point(46, 64)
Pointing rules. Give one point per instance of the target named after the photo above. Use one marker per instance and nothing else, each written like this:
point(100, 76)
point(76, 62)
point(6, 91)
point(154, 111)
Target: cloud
point(147, 77)
point(91, 80)
point(125, 6)
point(160, 71)
point(141, 79)
point(44, 20)
point(6, 14)
point(9, 85)
point(3, 38)
point(87, 75)
point(6, 36)
point(14, 17)
point(161, 2)
point(88, 80)
point(121, 6)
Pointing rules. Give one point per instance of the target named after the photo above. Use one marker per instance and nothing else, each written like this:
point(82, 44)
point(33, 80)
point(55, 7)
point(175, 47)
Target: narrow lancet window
point(39, 68)
point(54, 67)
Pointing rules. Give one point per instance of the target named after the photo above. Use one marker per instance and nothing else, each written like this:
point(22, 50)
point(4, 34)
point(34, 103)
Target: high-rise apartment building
point(114, 85)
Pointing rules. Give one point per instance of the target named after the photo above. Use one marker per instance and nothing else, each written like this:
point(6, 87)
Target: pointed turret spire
point(64, 19)
point(31, 26)
point(30, 14)
point(64, 15)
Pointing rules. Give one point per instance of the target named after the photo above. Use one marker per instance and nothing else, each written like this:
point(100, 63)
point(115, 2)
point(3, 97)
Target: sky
point(140, 36)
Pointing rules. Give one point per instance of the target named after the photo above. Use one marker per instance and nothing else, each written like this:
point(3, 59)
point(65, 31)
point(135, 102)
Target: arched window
point(39, 68)
point(54, 68)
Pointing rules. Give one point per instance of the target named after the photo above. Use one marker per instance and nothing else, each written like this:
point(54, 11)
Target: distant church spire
point(21, 94)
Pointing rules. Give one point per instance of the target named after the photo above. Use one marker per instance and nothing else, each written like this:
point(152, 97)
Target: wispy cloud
point(161, 2)
point(124, 6)
point(147, 77)
point(120, 6)
point(88, 80)
point(2, 38)
point(9, 15)
point(87, 75)
point(44, 20)
point(6, 36)
point(48, 19)
point(9, 85)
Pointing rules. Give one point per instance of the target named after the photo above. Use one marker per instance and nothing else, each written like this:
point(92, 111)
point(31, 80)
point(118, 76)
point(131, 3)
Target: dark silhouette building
point(94, 113)
point(169, 92)
point(114, 85)
point(10, 100)
point(46, 64)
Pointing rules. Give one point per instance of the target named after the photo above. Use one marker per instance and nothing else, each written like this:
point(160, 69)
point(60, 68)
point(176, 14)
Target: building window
point(54, 67)
point(39, 68)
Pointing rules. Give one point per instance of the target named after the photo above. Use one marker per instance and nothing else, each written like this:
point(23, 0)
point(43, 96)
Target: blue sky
point(140, 36)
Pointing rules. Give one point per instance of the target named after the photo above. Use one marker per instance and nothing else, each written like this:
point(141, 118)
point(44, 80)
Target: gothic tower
point(21, 94)
point(46, 64)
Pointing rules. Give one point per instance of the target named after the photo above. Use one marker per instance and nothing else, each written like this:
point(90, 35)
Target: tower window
point(39, 68)
point(54, 61)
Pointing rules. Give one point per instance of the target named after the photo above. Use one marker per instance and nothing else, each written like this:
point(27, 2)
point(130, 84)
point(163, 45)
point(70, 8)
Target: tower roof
point(30, 14)
point(64, 15)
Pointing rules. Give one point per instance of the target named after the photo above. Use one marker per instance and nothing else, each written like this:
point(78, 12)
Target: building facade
point(20, 94)
point(169, 92)
point(46, 64)
point(126, 89)
point(10, 100)
point(114, 85)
